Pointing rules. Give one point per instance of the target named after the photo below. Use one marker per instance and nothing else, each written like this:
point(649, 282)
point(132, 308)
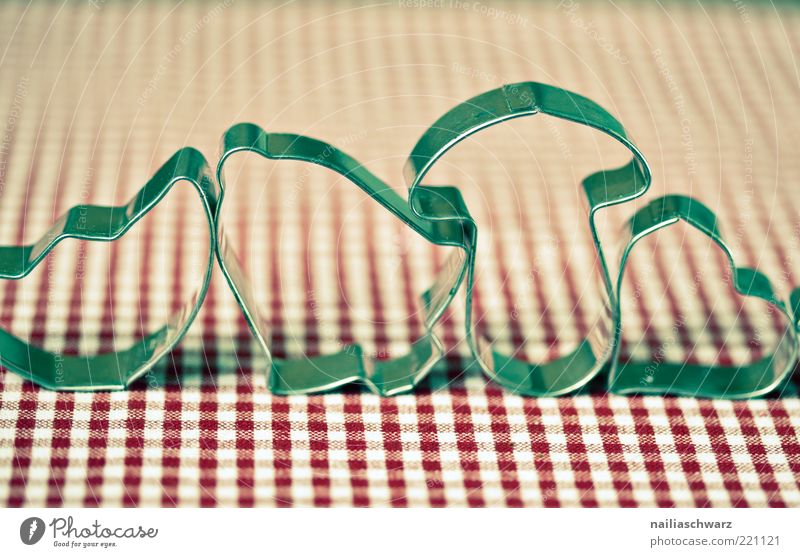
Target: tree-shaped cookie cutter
point(351, 364)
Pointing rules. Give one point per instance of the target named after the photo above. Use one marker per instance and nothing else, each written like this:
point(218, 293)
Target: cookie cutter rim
point(117, 369)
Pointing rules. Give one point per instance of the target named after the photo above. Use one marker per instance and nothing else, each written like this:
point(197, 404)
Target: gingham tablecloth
point(94, 96)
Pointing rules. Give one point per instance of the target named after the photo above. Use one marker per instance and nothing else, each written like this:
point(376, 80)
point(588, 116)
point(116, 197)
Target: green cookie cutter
point(110, 370)
point(439, 215)
point(758, 378)
point(322, 373)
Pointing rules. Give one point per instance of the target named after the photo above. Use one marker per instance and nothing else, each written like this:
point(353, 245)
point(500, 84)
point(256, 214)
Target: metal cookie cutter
point(602, 189)
point(325, 372)
point(440, 216)
point(744, 381)
point(111, 370)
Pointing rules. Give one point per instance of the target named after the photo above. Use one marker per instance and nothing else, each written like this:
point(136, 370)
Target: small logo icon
point(31, 530)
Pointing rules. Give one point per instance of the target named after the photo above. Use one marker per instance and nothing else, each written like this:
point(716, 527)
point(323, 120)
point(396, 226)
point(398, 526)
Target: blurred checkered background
point(94, 96)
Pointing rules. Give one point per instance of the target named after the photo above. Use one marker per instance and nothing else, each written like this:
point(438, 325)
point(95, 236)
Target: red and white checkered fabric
point(95, 96)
